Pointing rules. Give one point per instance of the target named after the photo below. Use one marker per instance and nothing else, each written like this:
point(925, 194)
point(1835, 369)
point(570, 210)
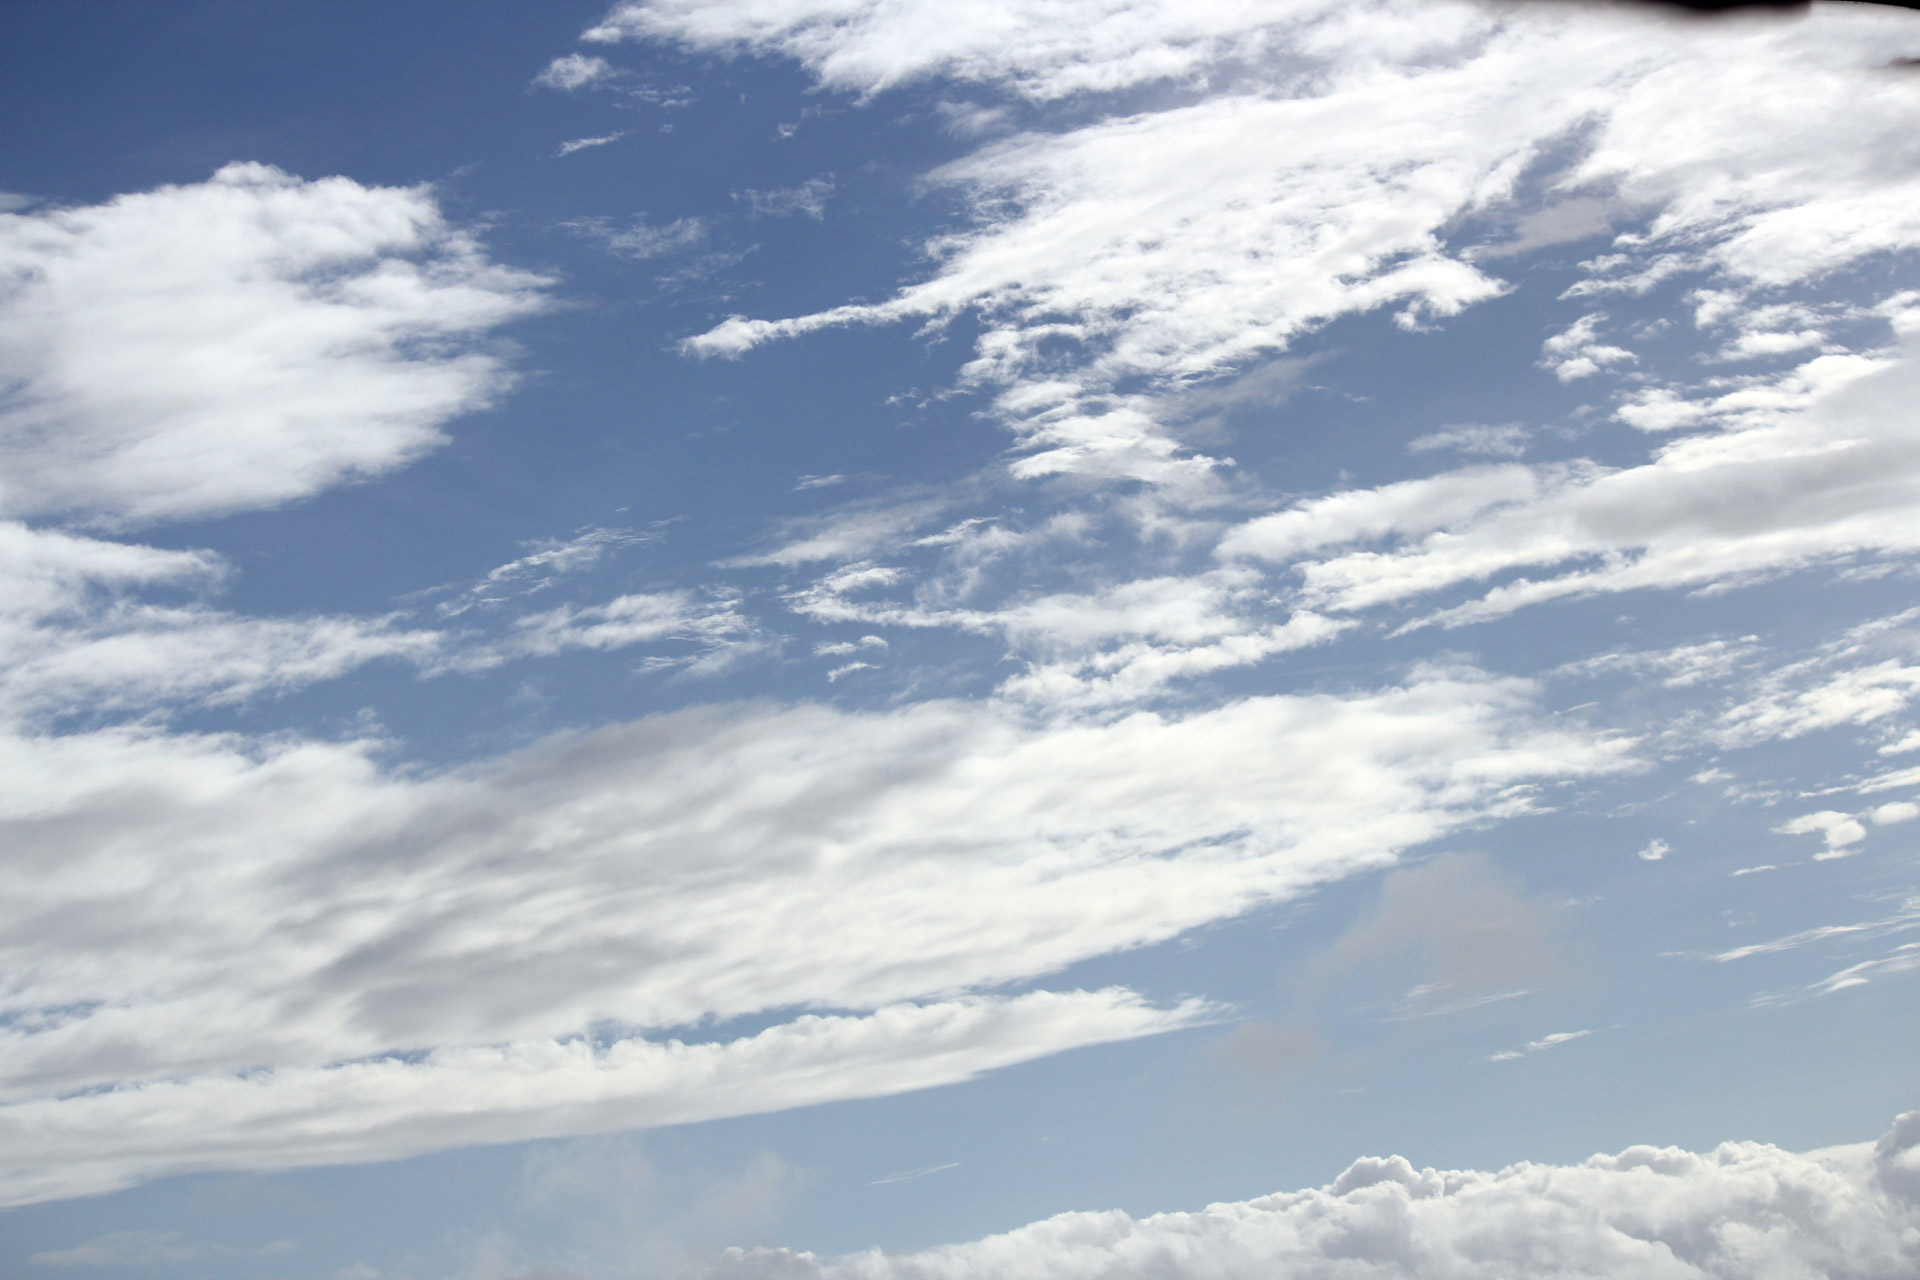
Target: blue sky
point(705, 637)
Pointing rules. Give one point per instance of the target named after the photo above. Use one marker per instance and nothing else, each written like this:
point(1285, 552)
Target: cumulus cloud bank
point(1742, 1210)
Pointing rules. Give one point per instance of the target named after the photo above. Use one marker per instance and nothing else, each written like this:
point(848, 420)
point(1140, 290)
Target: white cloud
point(1042, 50)
point(685, 867)
point(1850, 680)
point(1814, 464)
point(77, 638)
point(840, 648)
point(581, 144)
point(1837, 830)
point(1182, 242)
point(547, 559)
point(1508, 440)
point(1905, 918)
point(1119, 644)
point(1902, 959)
point(575, 71)
point(1742, 1210)
point(236, 343)
point(1655, 850)
point(808, 199)
point(631, 619)
point(389, 1107)
point(641, 240)
point(851, 531)
point(1544, 1043)
point(1400, 510)
point(1577, 352)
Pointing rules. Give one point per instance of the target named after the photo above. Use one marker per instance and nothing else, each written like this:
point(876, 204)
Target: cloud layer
point(713, 863)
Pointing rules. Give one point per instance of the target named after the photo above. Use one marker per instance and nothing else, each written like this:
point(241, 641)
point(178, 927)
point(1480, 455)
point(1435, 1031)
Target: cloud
point(1743, 1209)
point(1903, 958)
point(631, 619)
point(1861, 678)
point(1905, 918)
point(651, 875)
point(1809, 466)
point(575, 71)
point(850, 531)
point(547, 560)
point(79, 639)
point(808, 199)
point(237, 343)
point(1123, 643)
point(581, 144)
point(1838, 830)
point(1576, 352)
point(1152, 246)
point(1541, 1045)
point(641, 240)
point(1040, 50)
point(1506, 441)
point(390, 1107)
point(911, 1174)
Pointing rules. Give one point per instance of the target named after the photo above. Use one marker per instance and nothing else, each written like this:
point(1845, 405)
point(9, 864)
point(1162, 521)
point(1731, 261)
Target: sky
point(785, 639)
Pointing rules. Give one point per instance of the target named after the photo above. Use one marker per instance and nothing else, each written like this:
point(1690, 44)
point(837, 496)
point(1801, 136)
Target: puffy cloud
point(1744, 1209)
point(1577, 352)
point(575, 71)
point(1836, 830)
point(236, 343)
point(706, 864)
